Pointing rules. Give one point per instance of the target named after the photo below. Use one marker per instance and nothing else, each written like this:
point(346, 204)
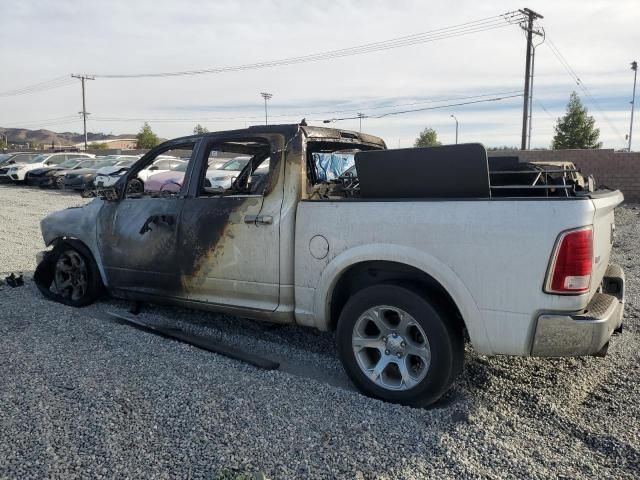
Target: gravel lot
point(81, 395)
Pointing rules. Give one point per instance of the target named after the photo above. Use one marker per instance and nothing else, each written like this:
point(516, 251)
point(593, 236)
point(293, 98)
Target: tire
point(59, 183)
point(396, 326)
point(69, 275)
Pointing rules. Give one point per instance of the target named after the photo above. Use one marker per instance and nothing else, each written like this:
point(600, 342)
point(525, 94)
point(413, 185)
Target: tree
point(98, 146)
point(199, 130)
point(146, 137)
point(576, 129)
point(427, 138)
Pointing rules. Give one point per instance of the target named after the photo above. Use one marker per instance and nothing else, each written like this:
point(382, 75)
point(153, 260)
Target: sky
point(43, 40)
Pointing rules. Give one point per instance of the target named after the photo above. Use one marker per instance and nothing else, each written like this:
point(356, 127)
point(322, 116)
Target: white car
point(18, 171)
point(161, 165)
point(222, 177)
point(108, 176)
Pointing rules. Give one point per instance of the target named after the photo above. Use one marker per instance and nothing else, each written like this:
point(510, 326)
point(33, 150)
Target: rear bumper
point(587, 332)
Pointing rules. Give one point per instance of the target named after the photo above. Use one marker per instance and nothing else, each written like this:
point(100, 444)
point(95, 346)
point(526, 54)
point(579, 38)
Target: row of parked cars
point(84, 171)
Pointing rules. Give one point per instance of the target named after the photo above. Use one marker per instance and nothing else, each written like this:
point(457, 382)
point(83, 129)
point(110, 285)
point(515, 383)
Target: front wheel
point(69, 275)
point(398, 345)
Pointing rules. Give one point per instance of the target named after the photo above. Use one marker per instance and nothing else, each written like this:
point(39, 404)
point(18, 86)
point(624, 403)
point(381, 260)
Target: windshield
point(236, 164)
point(105, 163)
point(38, 159)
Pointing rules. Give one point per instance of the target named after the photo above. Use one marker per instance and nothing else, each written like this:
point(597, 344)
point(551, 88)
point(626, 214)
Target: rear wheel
point(398, 345)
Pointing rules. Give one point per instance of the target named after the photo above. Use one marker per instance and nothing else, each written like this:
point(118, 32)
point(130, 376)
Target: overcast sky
point(42, 40)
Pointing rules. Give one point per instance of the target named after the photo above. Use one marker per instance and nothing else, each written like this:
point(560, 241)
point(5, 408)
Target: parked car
point(10, 159)
point(83, 178)
point(18, 157)
point(53, 176)
point(163, 164)
point(108, 176)
point(18, 171)
point(222, 177)
point(421, 253)
point(170, 180)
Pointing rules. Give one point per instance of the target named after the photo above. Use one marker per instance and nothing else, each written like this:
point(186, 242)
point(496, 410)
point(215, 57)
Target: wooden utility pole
point(84, 105)
point(528, 77)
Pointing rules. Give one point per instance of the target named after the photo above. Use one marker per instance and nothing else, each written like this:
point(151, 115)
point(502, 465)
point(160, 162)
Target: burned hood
point(74, 222)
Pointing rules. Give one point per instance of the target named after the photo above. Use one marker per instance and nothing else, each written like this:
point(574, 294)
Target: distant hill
point(45, 137)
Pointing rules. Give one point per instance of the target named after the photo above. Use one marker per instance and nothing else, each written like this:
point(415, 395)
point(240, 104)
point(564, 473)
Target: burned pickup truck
point(405, 253)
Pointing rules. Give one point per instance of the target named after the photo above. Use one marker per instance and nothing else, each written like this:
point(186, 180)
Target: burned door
point(229, 250)
point(138, 235)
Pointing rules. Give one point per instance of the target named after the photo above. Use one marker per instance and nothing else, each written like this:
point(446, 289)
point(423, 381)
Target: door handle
point(167, 220)
point(261, 219)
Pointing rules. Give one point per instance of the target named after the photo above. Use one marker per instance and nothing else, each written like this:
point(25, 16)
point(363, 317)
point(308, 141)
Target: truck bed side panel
point(491, 255)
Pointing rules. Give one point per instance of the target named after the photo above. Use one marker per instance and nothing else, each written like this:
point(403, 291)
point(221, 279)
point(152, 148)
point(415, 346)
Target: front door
point(229, 241)
point(138, 235)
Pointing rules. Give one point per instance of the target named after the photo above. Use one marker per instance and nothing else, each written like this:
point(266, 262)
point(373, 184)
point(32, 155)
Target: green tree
point(576, 129)
point(146, 138)
point(427, 138)
point(98, 146)
point(199, 130)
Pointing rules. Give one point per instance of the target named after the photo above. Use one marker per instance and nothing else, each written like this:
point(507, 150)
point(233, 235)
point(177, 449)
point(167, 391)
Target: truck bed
point(491, 255)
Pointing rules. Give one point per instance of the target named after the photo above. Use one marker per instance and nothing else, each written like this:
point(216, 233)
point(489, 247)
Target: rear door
point(230, 240)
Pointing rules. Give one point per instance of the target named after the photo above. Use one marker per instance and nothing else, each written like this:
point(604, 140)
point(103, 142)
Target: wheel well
point(365, 274)
point(83, 248)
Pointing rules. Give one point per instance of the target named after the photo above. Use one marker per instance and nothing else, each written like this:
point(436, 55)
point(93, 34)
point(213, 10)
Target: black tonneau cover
point(459, 171)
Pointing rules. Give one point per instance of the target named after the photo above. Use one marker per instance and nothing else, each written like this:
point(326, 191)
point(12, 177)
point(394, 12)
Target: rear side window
point(56, 159)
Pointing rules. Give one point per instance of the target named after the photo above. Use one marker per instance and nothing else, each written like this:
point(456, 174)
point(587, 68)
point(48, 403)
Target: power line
point(39, 87)
point(402, 112)
point(578, 81)
point(485, 24)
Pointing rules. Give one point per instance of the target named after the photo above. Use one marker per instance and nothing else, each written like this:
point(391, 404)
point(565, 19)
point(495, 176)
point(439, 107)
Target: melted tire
point(445, 341)
point(45, 273)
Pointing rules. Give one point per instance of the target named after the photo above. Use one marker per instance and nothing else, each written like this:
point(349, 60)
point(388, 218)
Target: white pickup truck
point(406, 256)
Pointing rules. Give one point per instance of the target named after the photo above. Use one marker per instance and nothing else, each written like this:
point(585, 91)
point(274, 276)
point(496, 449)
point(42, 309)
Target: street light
point(266, 96)
point(454, 117)
point(360, 117)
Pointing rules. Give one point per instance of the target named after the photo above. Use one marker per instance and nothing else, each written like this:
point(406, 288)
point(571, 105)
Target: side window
point(164, 183)
point(235, 168)
point(57, 159)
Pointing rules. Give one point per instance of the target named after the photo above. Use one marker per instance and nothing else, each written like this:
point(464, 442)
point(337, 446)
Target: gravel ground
point(83, 396)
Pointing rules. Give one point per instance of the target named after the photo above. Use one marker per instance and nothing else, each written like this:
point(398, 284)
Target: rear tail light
point(571, 263)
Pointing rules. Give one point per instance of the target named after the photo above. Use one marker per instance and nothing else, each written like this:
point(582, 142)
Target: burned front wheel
point(69, 275)
point(398, 345)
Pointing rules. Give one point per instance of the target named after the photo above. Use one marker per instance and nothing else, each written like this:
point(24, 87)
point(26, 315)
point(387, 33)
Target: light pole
point(360, 117)
point(266, 96)
point(454, 117)
point(634, 67)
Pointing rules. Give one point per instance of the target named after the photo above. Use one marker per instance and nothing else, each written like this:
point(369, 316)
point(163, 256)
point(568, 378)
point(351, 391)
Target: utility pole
point(454, 117)
point(360, 117)
point(634, 67)
point(528, 27)
point(84, 105)
point(266, 96)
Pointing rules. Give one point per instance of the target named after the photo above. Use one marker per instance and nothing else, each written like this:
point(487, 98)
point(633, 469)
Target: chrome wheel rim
point(71, 275)
point(391, 348)
point(60, 183)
